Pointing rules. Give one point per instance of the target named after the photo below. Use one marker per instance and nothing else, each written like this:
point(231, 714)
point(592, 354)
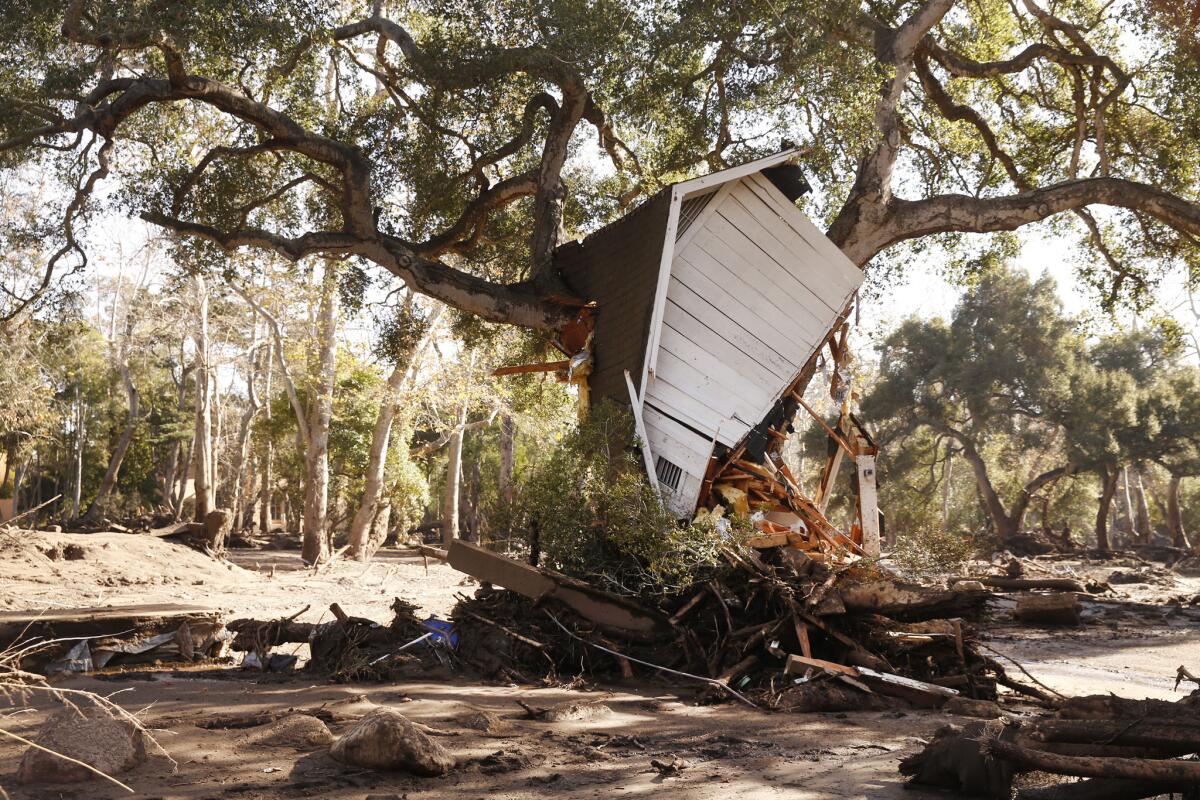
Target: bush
point(590, 511)
point(932, 550)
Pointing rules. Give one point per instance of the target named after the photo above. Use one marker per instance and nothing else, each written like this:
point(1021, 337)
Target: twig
point(1023, 670)
point(709, 681)
point(28, 511)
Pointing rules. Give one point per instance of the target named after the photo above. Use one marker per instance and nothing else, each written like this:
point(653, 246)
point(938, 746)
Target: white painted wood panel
point(684, 406)
point(730, 246)
point(704, 386)
point(699, 353)
point(764, 248)
point(686, 309)
point(727, 288)
point(686, 450)
point(751, 368)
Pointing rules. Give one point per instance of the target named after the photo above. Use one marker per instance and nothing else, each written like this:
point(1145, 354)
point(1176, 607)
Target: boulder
point(386, 740)
point(298, 731)
point(90, 734)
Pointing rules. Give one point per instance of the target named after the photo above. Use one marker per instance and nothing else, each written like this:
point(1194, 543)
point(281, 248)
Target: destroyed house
point(711, 298)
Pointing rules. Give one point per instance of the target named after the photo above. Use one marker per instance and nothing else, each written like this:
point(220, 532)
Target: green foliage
point(595, 517)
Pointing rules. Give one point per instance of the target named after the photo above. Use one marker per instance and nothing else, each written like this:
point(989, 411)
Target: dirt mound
point(41, 563)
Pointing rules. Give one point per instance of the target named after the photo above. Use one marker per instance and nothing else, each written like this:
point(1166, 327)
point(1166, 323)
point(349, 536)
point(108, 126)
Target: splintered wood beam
point(842, 443)
point(519, 369)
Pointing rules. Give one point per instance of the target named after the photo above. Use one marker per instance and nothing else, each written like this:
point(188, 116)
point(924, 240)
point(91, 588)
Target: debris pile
point(87, 639)
point(1122, 749)
point(780, 630)
point(350, 648)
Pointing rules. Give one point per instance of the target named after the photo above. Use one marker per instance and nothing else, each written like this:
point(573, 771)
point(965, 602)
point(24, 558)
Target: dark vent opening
point(668, 473)
point(789, 179)
point(689, 210)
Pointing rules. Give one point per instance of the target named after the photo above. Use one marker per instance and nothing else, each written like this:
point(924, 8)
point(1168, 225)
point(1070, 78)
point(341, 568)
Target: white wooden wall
point(754, 289)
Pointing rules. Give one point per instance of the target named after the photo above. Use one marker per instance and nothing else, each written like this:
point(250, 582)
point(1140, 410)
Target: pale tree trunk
point(453, 479)
point(202, 441)
point(450, 491)
point(77, 490)
point(265, 466)
point(1135, 535)
point(1175, 515)
point(1108, 488)
point(214, 459)
point(361, 538)
point(947, 489)
point(118, 454)
point(508, 440)
point(315, 546)
point(1143, 508)
point(242, 456)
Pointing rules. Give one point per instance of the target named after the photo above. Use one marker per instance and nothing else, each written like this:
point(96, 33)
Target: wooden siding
point(617, 266)
point(753, 292)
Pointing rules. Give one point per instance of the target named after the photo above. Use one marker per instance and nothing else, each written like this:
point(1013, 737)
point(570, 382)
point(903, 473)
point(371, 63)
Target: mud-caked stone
point(386, 740)
point(298, 731)
point(90, 734)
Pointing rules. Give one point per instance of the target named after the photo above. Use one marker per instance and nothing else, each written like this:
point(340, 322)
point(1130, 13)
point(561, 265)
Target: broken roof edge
point(715, 179)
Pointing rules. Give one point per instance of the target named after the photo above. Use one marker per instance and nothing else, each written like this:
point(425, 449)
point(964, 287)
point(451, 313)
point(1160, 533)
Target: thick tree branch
point(910, 219)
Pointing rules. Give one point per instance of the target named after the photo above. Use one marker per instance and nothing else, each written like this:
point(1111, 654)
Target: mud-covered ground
point(1130, 644)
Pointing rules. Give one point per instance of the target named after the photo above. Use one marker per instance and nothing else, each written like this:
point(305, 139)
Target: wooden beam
point(518, 369)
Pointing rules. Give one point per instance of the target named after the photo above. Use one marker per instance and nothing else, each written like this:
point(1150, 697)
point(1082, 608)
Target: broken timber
point(612, 613)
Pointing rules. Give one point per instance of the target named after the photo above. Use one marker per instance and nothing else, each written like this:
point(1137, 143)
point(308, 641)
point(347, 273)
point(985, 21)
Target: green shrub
point(590, 511)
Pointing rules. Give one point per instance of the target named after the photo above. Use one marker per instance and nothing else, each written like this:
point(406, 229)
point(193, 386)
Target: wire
point(709, 681)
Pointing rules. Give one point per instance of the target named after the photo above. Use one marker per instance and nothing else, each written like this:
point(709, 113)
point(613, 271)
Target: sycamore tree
point(442, 141)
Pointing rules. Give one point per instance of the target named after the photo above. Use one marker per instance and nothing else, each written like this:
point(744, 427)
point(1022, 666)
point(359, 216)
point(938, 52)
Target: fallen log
point(1157, 771)
point(1100, 789)
point(1137, 732)
point(1024, 584)
point(1048, 609)
point(1107, 706)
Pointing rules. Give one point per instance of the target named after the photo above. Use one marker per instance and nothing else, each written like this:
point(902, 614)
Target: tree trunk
point(202, 441)
point(1108, 478)
point(1143, 508)
point(450, 494)
point(265, 466)
point(1131, 527)
point(315, 546)
point(242, 456)
point(78, 488)
point(947, 489)
point(118, 454)
point(508, 438)
point(362, 542)
point(364, 518)
point(1174, 515)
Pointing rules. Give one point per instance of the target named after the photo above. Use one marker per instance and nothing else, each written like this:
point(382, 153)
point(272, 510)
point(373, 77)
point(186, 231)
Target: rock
point(968, 586)
point(90, 734)
point(386, 740)
point(968, 707)
point(74, 552)
point(298, 731)
point(578, 712)
point(1120, 576)
point(484, 721)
